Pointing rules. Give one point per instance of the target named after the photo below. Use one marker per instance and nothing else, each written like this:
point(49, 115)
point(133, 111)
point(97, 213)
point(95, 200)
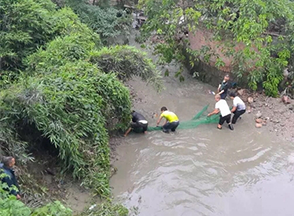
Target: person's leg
point(228, 120)
point(166, 127)
point(223, 96)
point(237, 115)
point(145, 127)
point(174, 126)
point(221, 122)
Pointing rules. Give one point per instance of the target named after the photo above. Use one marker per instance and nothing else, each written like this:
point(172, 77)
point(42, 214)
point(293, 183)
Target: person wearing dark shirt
point(223, 87)
point(8, 176)
point(139, 123)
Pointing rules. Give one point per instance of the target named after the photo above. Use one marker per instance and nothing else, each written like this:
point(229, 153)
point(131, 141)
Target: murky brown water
point(202, 171)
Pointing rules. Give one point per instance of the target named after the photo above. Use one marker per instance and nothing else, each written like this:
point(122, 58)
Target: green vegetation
point(265, 28)
point(60, 85)
point(108, 22)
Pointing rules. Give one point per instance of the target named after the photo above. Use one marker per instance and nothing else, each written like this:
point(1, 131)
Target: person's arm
point(215, 111)
point(159, 120)
point(218, 88)
point(233, 109)
point(127, 132)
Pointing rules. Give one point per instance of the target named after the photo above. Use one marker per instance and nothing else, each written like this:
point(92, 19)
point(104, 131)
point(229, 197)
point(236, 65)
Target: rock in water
point(258, 125)
point(258, 115)
point(250, 100)
point(258, 120)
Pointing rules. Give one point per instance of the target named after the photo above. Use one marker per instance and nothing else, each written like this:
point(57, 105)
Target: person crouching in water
point(224, 109)
point(139, 123)
point(239, 107)
point(172, 120)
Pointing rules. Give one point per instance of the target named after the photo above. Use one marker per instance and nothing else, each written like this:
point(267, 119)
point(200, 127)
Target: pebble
point(258, 125)
point(258, 114)
point(258, 120)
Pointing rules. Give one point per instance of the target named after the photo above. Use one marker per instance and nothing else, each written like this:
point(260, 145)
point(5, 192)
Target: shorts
point(223, 96)
point(226, 118)
point(237, 114)
point(170, 126)
point(139, 127)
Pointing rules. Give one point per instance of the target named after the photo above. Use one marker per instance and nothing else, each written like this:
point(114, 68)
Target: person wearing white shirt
point(239, 107)
point(223, 108)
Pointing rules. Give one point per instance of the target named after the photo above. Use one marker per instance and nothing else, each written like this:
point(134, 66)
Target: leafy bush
point(107, 209)
point(127, 61)
point(70, 107)
point(104, 21)
point(24, 25)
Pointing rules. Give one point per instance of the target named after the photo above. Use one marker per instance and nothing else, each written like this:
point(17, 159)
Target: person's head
point(8, 161)
point(163, 109)
point(232, 95)
point(227, 77)
point(217, 97)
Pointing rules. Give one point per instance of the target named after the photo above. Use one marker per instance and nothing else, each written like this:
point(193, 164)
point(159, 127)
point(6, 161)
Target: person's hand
point(18, 197)
point(208, 115)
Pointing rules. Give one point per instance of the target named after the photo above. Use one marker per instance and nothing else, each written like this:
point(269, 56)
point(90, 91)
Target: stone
point(259, 120)
point(258, 125)
point(250, 100)
point(258, 114)
point(240, 92)
point(264, 123)
point(285, 99)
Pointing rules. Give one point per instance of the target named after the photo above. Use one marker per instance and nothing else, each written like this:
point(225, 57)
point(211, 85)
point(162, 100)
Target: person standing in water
point(239, 107)
point(223, 87)
point(223, 108)
point(172, 120)
point(139, 123)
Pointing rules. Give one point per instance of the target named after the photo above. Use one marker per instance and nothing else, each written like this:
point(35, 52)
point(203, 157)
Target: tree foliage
point(265, 28)
point(65, 91)
point(108, 22)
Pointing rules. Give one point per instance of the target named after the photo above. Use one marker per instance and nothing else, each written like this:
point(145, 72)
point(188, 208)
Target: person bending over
point(222, 106)
point(138, 124)
point(172, 120)
point(223, 87)
point(239, 107)
point(8, 176)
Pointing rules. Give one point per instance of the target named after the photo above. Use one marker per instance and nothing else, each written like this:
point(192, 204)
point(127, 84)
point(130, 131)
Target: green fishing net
point(199, 119)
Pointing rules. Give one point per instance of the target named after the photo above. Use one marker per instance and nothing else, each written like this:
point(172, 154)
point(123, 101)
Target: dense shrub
point(70, 107)
point(126, 62)
point(24, 25)
point(108, 22)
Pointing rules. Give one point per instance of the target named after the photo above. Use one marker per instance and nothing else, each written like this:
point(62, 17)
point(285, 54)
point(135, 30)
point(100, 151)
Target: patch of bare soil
point(276, 114)
point(42, 182)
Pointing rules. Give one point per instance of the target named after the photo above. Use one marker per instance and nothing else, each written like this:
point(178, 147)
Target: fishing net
point(199, 119)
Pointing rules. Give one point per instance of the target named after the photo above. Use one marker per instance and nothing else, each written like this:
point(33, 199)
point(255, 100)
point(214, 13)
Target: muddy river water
point(202, 171)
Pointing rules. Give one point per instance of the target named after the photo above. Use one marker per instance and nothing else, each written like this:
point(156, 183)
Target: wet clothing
point(240, 108)
point(224, 86)
point(170, 126)
point(237, 114)
point(9, 179)
point(223, 107)
point(223, 119)
point(139, 123)
point(169, 116)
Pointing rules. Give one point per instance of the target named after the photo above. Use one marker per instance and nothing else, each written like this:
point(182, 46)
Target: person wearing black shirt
point(139, 123)
point(223, 87)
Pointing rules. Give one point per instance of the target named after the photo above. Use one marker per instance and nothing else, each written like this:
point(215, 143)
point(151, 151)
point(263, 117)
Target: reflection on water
point(202, 171)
